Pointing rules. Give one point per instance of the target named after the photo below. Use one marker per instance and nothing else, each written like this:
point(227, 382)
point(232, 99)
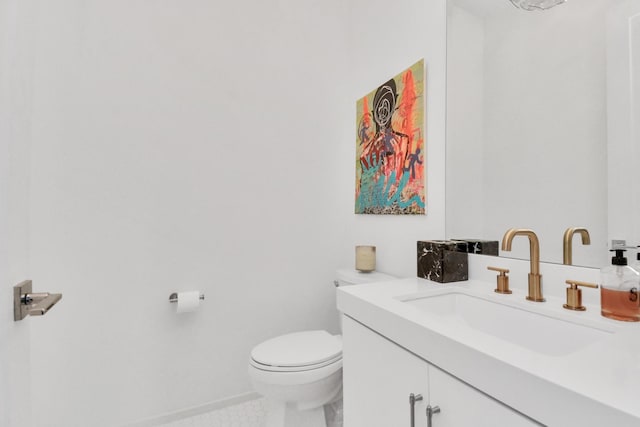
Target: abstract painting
point(390, 163)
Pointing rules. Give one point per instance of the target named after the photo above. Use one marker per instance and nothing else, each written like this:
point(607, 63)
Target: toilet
point(300, 373)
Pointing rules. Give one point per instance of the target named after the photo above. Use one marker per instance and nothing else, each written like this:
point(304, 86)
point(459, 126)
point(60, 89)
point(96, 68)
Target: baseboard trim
point(194, 410)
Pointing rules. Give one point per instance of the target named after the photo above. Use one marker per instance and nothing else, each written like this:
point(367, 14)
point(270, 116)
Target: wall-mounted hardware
point(29, 303)
point(413, 398)
point(174, 297)
point(567, 242)
point(574, 295)
point(502, 280)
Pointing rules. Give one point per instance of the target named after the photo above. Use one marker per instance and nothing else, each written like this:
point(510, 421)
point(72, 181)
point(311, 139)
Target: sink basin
point(541, 332)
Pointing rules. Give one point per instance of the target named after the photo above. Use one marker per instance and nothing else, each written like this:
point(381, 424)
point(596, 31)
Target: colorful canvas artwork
point(390, 163)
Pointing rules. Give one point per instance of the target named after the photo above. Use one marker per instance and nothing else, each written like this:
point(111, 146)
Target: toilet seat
point(271, 368)
point(299, 377)
point(298, 351)
point(297, 358)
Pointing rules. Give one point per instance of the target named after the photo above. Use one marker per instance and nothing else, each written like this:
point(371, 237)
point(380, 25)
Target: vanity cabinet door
point(462, 405)
point(379, 377)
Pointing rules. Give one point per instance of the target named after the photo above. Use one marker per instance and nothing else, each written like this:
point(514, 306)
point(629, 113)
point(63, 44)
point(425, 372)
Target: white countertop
point(597, 385)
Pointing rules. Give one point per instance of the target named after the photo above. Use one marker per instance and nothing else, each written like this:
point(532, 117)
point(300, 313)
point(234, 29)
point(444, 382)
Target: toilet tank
point(348, 276)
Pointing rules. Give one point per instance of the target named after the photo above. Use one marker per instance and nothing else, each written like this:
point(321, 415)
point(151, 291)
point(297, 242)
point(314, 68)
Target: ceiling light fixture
point(536, 4)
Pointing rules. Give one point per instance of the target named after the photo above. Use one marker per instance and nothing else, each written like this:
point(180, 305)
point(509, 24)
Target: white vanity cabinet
point(462, 405)
point(379, 377)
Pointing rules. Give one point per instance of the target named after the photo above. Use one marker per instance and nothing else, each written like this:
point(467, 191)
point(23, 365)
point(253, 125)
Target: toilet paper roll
point(188, 301)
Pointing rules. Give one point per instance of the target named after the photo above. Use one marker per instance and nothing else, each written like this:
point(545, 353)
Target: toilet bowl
point(300, 373)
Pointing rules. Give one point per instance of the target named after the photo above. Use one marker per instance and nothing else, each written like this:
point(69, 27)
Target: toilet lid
point(299, 349)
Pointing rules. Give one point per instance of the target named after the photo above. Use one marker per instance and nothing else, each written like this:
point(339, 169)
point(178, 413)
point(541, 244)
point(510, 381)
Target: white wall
point(384, 39)
point(15, 94)
point(203, 145)
point(543, 163)
point(465, 124)
point(181, 145)
point(170, 153)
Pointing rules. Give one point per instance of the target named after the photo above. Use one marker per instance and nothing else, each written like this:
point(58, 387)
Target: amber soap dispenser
point(619, 290)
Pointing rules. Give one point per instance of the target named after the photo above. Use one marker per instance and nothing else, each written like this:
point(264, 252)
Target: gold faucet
point(535, 279)
point(567, 250)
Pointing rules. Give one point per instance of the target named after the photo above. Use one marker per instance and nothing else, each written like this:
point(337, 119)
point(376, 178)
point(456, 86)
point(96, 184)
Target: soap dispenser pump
point(619, 290)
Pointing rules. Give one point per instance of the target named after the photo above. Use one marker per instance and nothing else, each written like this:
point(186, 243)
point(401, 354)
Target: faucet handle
point(502, 280)
point(574, 295)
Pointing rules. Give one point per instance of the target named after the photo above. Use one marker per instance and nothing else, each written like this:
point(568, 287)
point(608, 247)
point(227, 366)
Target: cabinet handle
point(430, 411)
point(413, 398)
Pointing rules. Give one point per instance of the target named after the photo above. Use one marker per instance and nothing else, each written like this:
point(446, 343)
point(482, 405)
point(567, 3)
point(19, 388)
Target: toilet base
point(281, 414)
point(300, 404)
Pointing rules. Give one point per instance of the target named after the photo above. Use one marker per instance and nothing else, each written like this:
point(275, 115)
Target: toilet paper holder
point(174, 297)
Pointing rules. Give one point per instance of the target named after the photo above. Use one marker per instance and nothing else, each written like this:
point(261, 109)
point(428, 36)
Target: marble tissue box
point(484, 247)
point(443, 260)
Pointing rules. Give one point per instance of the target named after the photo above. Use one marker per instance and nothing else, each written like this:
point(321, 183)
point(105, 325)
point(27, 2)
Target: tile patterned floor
point(246, 414)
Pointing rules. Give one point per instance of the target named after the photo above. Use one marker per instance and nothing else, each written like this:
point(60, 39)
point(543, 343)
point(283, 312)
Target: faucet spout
point(535, 278)
point(567, 242)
